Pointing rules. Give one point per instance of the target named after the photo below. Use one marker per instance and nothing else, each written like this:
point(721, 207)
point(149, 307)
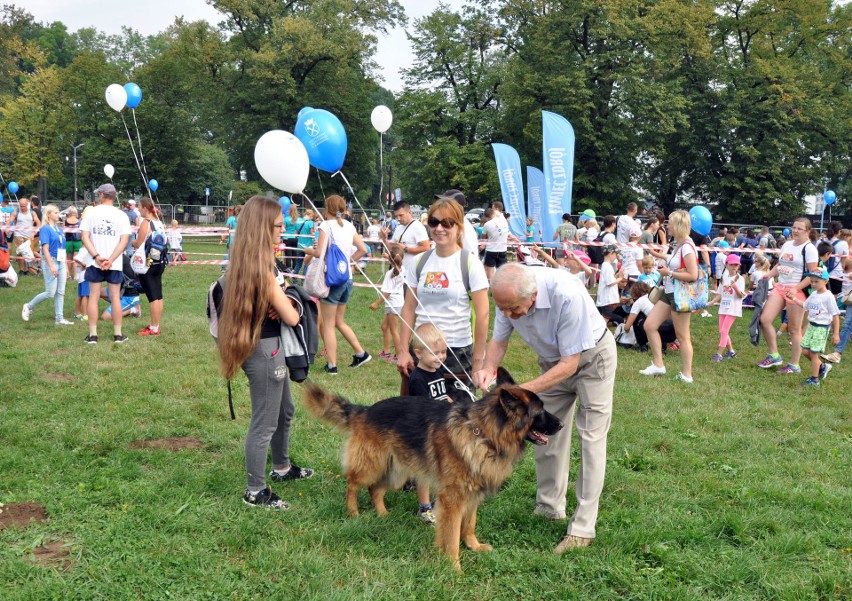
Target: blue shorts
point(338, 295)
point(83, 289)
point(127, 303)
point(96, 275)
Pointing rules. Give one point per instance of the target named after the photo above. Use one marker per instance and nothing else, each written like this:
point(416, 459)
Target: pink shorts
point(781, 291)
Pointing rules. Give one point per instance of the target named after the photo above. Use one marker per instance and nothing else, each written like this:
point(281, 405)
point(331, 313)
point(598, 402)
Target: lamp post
point(75, 147)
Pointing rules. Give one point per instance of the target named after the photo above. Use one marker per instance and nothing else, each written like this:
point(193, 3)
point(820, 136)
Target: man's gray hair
point(517, 277)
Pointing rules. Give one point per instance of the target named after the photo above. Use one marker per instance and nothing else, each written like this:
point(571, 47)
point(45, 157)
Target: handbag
point(691, 296)
point(656, 294)
point(139, 261)
point(624, 338)
point(315, 276)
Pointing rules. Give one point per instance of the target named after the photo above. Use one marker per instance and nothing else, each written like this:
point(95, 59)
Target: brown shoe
point(572, 542)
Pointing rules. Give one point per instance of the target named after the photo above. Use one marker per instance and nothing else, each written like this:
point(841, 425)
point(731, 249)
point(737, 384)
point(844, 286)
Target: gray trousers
point(271, 410)
point(593, 384)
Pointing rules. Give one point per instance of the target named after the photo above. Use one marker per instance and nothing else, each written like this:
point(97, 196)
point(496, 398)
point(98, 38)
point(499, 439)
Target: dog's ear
point(512, 398)
point(504, 377)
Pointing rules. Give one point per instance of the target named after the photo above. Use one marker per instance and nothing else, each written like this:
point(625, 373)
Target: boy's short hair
point(824, 247)
point(647, 261)
point(174, 221)
point(427, 336)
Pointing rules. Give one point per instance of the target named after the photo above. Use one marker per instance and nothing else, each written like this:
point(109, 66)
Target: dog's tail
point(329, 407)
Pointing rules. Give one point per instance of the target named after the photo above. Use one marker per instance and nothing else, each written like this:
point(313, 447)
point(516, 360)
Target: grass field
point(738, 487)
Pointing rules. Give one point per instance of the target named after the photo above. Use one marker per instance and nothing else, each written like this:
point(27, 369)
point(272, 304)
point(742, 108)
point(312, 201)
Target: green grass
point(735, 488)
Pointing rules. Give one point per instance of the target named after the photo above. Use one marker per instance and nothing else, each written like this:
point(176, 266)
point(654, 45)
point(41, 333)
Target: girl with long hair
point(254, 307)
point(333, 307)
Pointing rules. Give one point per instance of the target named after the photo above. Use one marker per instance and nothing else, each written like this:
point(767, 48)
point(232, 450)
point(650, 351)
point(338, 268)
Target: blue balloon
point(13, 187)
point(701, 220)
point(829, 197)
point(284, 203)
point(134, 95)
point(786, 232)
point(324, 138)
point(153, 184)
point(302, 112)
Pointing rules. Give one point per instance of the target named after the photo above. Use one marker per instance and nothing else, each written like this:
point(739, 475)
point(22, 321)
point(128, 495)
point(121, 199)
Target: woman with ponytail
point(254, 307)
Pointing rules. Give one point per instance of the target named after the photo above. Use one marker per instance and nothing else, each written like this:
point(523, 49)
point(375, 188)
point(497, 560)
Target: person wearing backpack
point(437, 292)
point(152, 234)
point(840, 249)
point(335, 231)
point(249, 328)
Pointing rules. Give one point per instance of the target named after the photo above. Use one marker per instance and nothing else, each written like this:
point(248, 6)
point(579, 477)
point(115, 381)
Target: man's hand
point(404, 362)
point(104, 263)
point(484, 378)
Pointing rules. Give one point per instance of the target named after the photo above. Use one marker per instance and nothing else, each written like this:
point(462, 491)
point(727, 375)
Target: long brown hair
point(246, 299)
point(335, 206)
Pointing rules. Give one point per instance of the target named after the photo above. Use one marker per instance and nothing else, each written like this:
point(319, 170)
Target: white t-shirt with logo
point(392, 285)
point(730, 303)
point(841, 249)
point(106, 225)
point(790, 264)
point(343, 236)
point(443, 298)
point(410, 235)
point(497, 232)
point(175, 239)
point(374, 232)
point(630, 258)
point(821, 307)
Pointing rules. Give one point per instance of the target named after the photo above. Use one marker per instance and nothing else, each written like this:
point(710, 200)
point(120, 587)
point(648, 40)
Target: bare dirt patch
point(174, 443)
point(53, 554)
point(57, 377)
point(21, 514)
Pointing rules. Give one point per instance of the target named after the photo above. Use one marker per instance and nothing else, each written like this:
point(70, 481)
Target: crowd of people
point(563, 300)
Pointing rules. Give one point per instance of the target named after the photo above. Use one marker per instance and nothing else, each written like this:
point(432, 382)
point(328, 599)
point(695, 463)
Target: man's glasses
point(447, 223)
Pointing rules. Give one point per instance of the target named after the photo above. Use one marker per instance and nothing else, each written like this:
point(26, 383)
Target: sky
point(151, 16)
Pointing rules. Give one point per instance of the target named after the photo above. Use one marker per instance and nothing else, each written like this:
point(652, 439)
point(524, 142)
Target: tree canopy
point(741, 105)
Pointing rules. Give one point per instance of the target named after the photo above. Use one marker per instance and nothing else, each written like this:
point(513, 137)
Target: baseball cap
point(723, 244)
point(823, 275)
point(107, 190)
point(456, 195)
point(635, 232)
point(733, 260)
point(131, 202)
point(611, 248)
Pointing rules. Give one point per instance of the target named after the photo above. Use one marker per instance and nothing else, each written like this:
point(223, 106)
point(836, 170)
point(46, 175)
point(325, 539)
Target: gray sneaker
point(26, 312)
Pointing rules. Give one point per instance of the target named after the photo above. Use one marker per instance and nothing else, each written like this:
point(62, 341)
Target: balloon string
point(133, 149)
point(425, 311)
point(139, 141)
point(319, 179)
point(381, 172)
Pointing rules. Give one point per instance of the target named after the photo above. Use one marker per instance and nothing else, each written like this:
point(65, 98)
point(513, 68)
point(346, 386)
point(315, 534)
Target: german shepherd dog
point(465, 450)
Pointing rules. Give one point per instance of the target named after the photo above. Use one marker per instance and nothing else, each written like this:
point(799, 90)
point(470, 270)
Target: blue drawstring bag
point(336, 264)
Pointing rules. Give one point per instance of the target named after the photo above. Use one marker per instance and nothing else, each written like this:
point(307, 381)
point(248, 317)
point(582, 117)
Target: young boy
point(608, 297)
point(176, 243)
point(649, 274)
point(428, 380)
point(822, 315)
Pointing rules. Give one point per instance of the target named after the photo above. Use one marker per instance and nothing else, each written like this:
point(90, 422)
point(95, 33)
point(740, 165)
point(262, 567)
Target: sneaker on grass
point(294, 473)
point(359, 360)
point(427, 515)
point(811, 382)
point(266, 499)
point(729, 355)
point(119, 338)
point(653, 370)
point(771, 361)
point(824, 368)
point(789, 369)
point(91, 339)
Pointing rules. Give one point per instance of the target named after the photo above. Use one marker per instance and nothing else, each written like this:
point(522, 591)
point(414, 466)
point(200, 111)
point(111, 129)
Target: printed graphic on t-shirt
point(438, 389)
point(436, 282)
point(104, 229)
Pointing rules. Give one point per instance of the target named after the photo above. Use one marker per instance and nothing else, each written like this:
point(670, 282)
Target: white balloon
point(109, 170)
point(381, 118)
point(116, 96)
point(281, 159)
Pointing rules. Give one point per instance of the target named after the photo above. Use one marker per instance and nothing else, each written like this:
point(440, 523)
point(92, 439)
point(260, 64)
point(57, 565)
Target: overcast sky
point(151, 16)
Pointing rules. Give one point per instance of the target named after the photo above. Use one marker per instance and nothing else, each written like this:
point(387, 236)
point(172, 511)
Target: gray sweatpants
point(271, 410)
point(590, 392)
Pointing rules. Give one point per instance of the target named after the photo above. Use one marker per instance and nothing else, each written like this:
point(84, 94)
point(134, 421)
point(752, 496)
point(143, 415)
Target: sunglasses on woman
point(446, 223)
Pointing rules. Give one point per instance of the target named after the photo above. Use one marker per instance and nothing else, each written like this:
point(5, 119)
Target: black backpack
point(596, 253)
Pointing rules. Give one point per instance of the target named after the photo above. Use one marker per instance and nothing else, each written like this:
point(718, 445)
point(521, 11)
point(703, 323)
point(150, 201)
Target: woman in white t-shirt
point(439, 296)
point(682, 265)
point(333, 307)
point(798, 257)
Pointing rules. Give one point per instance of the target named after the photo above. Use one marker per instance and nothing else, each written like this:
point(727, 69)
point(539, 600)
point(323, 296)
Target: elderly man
point(576, 353)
